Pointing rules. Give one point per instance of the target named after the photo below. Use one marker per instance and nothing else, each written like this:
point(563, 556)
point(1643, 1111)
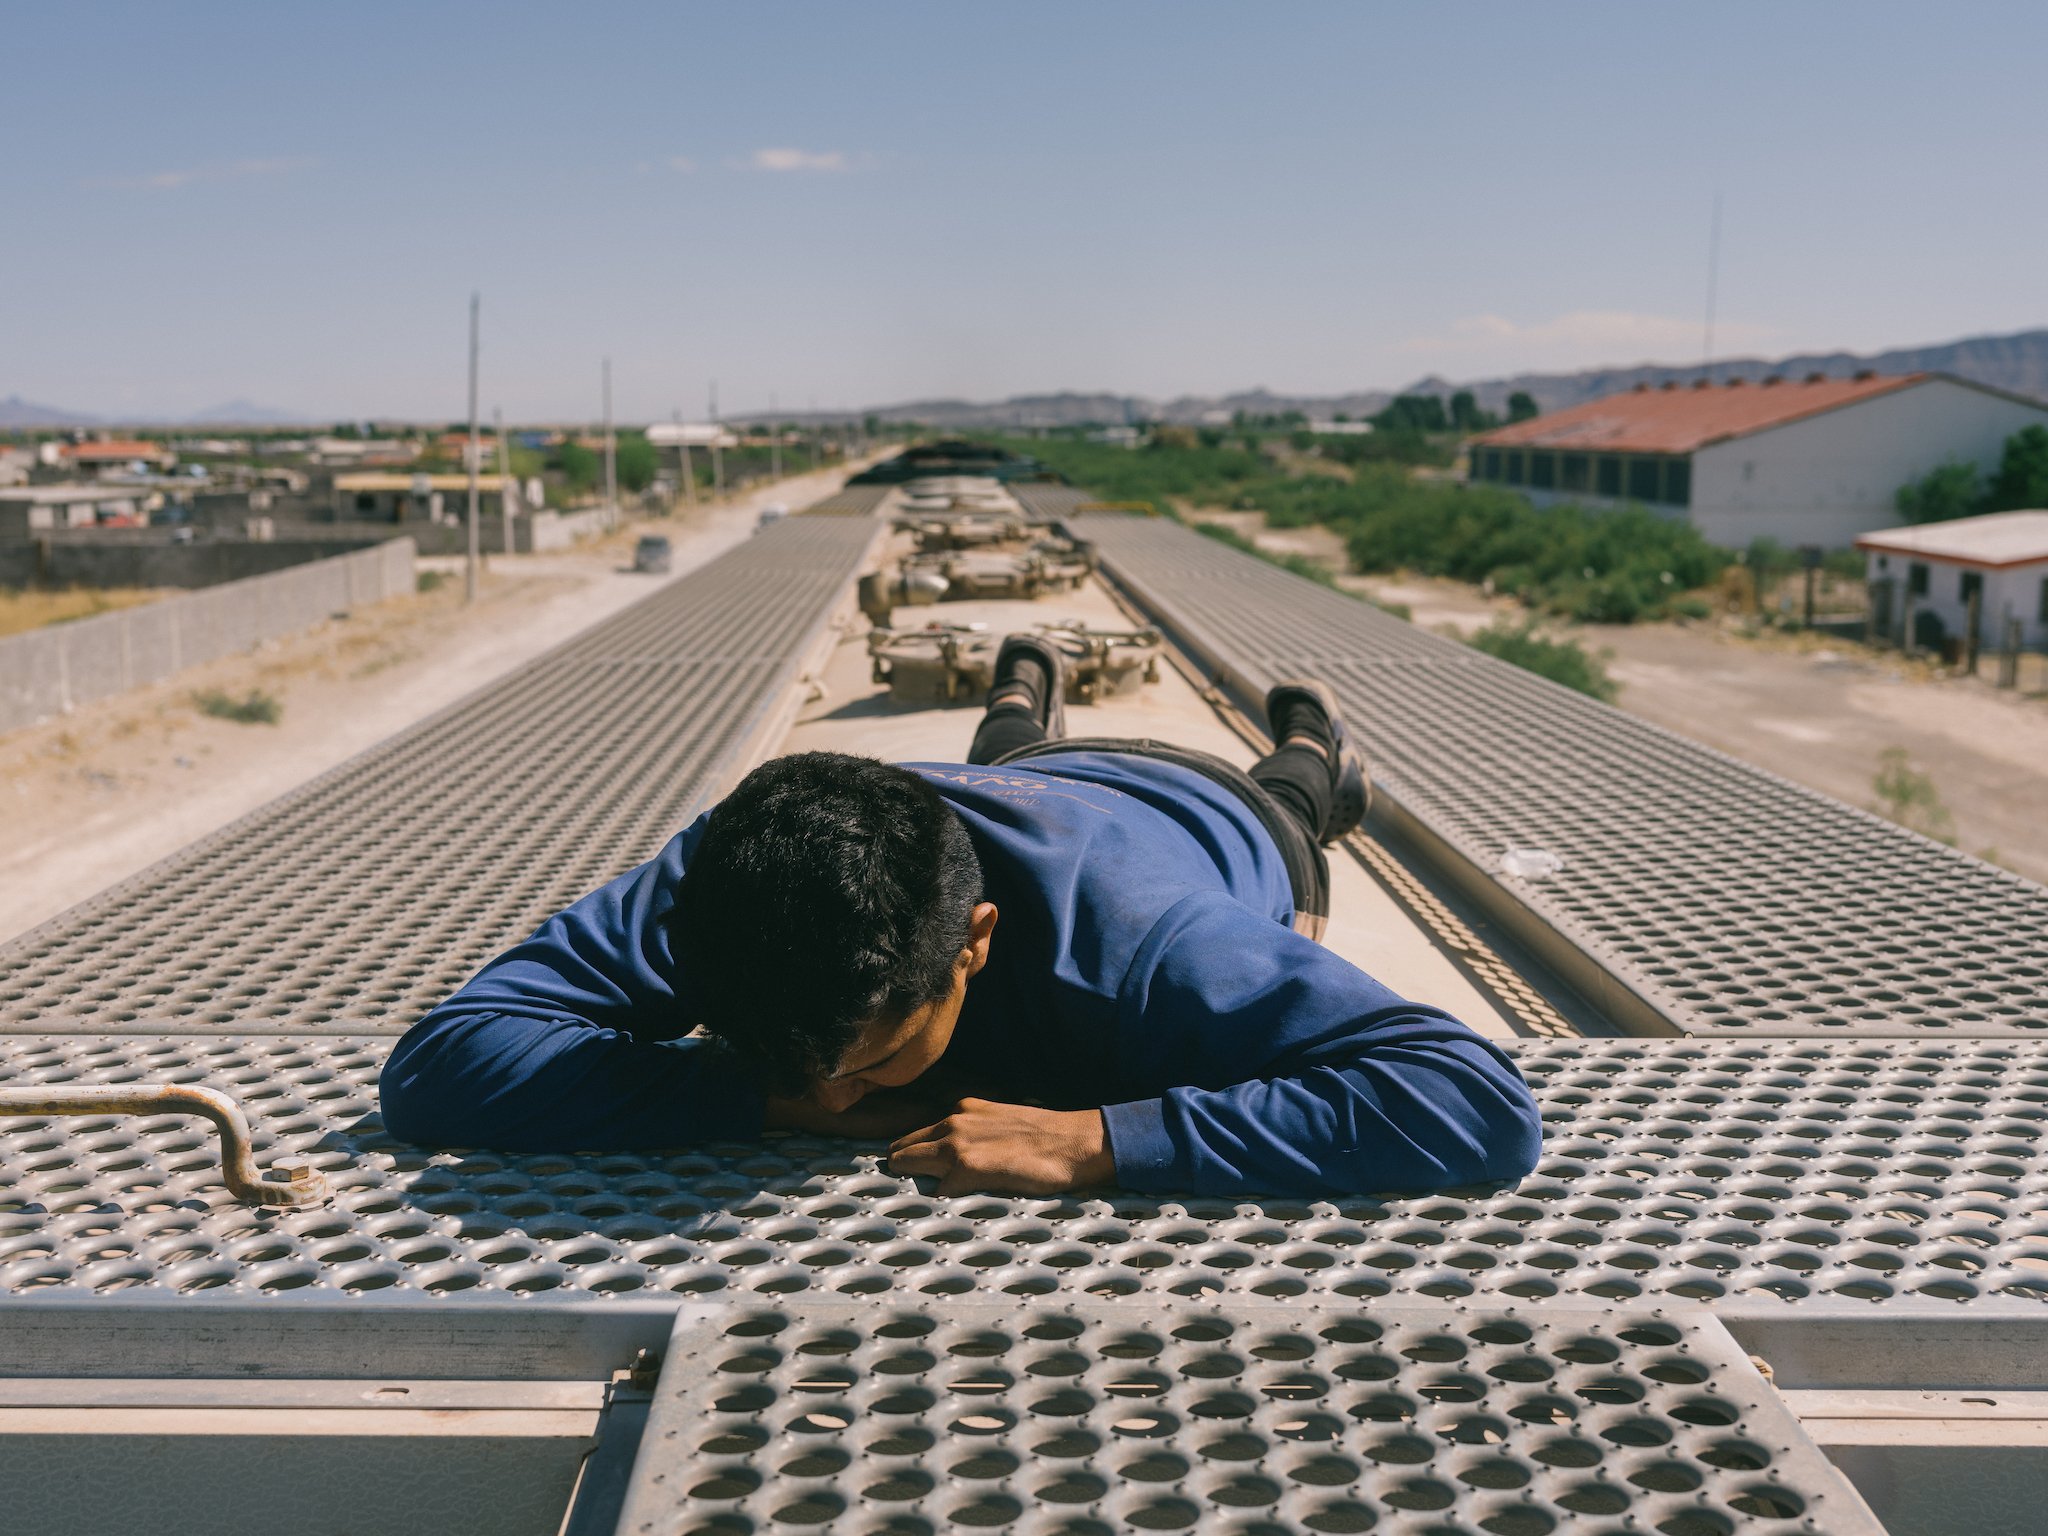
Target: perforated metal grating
point(850, 501)
point(1243, 1418)
point(1803, 1172)
point(1728, 899)
point(362, 898)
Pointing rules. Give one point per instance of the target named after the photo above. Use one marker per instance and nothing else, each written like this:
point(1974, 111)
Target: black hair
point(828, 891)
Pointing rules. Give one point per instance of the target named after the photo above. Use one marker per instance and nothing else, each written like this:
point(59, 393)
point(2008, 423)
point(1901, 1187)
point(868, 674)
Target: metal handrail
point(294, 1185)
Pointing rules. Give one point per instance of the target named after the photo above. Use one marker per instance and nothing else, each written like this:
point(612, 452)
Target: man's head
point(828, 923)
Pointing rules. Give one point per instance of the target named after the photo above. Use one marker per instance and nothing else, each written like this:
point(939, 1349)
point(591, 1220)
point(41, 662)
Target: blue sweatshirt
point(1143, 963)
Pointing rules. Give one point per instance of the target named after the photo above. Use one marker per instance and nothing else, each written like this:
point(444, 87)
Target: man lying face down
point(1062, 965)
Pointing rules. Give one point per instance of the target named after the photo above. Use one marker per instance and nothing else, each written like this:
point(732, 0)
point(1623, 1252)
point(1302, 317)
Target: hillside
point(2018, 363)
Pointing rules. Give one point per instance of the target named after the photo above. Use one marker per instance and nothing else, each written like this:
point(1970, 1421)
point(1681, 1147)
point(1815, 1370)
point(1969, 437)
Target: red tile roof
point(115, 451)
point(1686, 418)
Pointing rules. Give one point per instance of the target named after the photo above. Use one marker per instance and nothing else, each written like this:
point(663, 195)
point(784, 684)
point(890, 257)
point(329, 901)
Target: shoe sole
point(1054, 660)
point(1350, 778)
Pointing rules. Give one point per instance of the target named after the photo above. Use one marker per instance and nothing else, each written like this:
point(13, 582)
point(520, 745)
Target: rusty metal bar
point(293, 1186)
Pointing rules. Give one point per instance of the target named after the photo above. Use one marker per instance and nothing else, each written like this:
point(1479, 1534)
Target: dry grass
point(26, 608)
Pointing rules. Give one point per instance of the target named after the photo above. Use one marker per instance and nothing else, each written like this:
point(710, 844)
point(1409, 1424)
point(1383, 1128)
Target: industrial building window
point(1642, 479)
point(1542, 471)
point(1574, 472)
point(1970, 585)
point(1916, 579)
point(1489, 464)
point(1678, 482)
point(365, 502)
point(1514, 474)
point(2043, 614)
point(1607, 475)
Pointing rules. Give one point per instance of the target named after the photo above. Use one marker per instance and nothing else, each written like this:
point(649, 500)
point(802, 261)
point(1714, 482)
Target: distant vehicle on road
point(774, 512)
point(651, 555)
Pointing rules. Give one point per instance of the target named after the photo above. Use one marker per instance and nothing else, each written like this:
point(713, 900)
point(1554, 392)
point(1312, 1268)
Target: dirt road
point(107, 790)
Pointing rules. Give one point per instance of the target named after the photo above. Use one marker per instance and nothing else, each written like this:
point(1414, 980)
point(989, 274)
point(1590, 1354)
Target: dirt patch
point(25, 608)
point(1822, 714)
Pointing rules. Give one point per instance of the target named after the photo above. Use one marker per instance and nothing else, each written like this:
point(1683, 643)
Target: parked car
point(651, 555)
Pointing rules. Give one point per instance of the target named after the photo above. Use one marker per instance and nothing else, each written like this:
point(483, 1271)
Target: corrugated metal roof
point(1996, 539)
point(403, 482)
point(115, 450)
point(1687, 418)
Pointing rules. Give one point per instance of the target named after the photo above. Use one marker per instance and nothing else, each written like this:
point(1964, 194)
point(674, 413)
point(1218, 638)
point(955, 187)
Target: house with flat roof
point(377, 497)
point(29, 510)
point(109, 456)
point(1932, 581)
point(1817, 461)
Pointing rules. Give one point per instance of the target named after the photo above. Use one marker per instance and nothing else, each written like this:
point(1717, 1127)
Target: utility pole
point(504, 476)
point(475, 452)
point(611, 447)
point(683, 448)
point(1713, 281)
point(774, 440)
point(717, 459)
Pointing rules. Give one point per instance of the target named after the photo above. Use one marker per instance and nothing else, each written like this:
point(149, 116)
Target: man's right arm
point(547, 1048)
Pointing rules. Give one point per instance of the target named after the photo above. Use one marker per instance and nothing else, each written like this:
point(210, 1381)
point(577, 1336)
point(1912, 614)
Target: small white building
point(1925, 576)
point(1815, 461)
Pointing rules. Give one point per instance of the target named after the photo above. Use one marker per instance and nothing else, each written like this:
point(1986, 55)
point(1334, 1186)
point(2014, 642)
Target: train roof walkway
point(1840, 1168)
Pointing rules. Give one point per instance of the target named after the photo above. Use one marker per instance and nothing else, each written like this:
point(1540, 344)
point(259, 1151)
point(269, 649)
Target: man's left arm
point(1264, 1064)
point(1271, 1064)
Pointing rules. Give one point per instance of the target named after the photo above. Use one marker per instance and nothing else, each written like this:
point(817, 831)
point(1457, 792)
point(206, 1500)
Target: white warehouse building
point(1925, 580)
point(1814, 462)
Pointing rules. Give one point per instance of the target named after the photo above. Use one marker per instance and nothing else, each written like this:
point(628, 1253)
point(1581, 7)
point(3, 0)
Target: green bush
point(254, 708)
point(1605, 566)
point(430, 581)
point(1562, 660)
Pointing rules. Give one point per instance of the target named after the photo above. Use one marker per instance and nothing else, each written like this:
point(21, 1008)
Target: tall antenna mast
point(470, 560)
point(1713, 280)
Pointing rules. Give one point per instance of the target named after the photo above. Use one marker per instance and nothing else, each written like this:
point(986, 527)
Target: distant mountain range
point(2018, 363)
point(17, 414)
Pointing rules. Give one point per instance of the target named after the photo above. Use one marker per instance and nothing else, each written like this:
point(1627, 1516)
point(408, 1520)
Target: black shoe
point(1301, 706)
point(1041, 682)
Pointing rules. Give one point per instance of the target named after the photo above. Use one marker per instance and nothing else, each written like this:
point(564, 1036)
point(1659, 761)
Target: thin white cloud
point(799, 160)
point(234, 170)
point(682, 163)
point(1582, 338)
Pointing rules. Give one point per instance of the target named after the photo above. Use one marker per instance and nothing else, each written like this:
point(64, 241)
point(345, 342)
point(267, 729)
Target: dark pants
point(1289, 791)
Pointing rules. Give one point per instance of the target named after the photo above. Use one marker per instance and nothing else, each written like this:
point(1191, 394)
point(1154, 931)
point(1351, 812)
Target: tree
point(1521, 406)
point(2021, 479)
point(1466, 415)
point(637, 461)
point(1948, 491)
point(579, 465)
point(1416, 413)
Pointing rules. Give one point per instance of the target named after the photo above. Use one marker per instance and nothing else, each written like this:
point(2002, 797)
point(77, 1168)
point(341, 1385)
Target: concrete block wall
point(50, 671)
point(146, 557)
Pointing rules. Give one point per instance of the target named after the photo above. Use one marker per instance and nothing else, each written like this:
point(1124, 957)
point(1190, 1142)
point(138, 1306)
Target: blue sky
point(863, 204)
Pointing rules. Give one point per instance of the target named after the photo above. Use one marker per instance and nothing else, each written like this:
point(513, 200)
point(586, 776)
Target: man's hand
point(1009, 1149)
point(880, 1116)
